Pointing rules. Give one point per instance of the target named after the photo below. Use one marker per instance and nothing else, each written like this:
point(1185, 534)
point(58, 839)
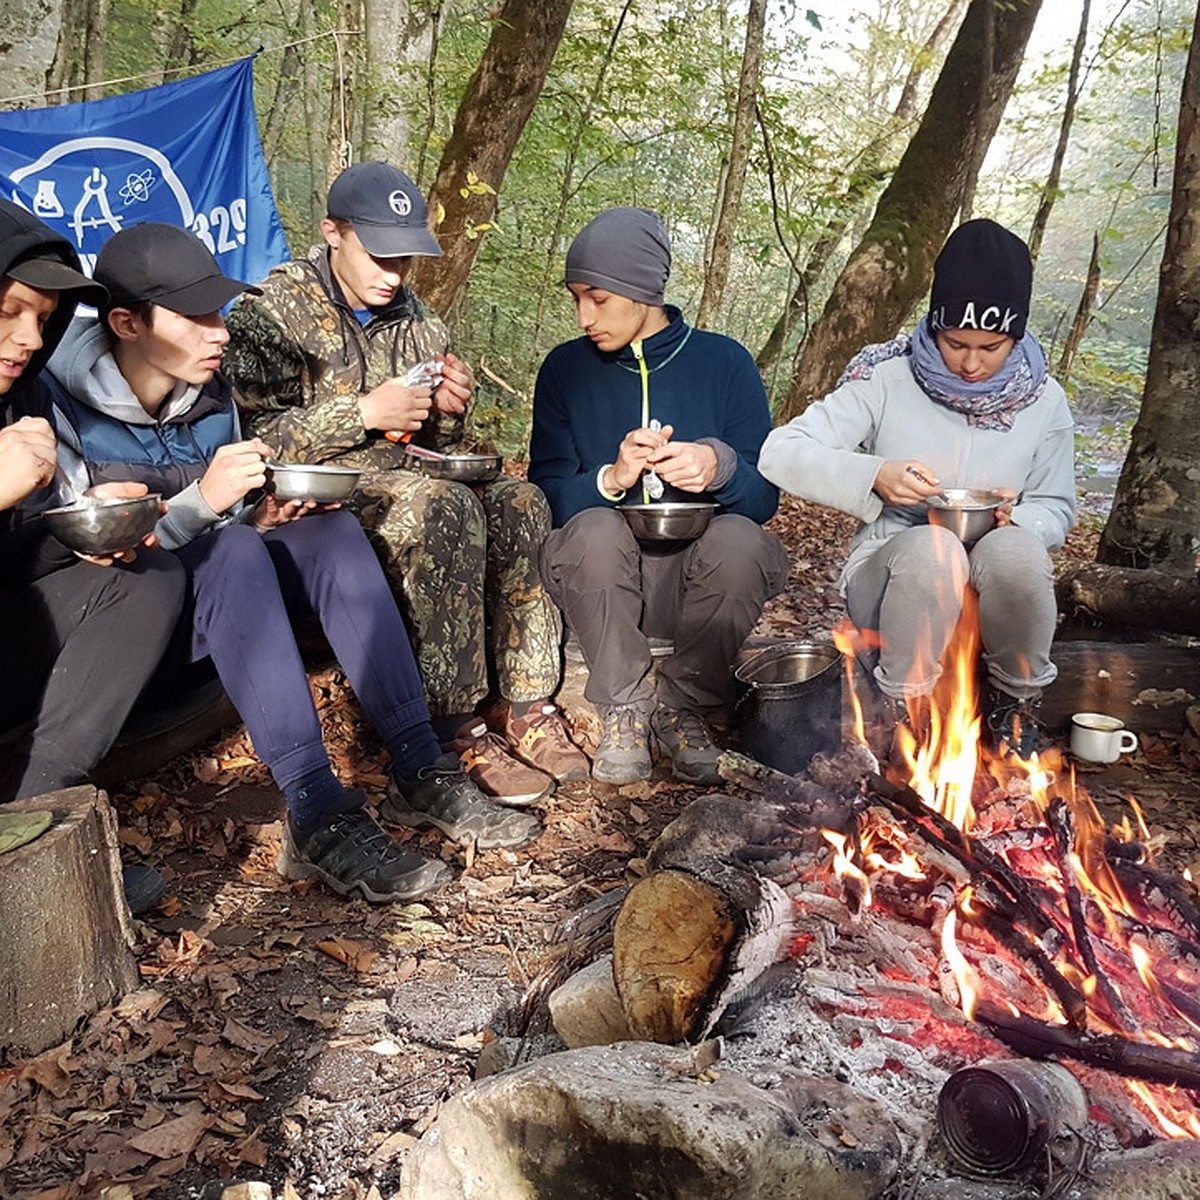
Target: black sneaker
point(443, 796)
point(1013, 723)
point(350, 853)
point(685, 738)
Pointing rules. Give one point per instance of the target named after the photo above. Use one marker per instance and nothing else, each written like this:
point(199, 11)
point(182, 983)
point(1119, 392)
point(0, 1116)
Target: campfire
point(1055, 934)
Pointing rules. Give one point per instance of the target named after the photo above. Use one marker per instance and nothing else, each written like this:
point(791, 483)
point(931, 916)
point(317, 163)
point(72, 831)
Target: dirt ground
point(282, 1034)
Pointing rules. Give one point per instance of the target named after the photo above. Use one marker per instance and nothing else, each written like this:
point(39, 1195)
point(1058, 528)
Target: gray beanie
point(623, 250)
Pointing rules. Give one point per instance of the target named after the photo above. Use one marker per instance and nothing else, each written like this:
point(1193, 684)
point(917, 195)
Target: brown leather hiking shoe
point(540, 738)
point(492, 768)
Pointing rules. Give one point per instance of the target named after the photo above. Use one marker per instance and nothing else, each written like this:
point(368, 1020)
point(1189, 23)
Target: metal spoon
point(650, 481)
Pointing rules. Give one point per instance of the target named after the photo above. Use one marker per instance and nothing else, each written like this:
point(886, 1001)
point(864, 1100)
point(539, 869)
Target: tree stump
point(67, 944)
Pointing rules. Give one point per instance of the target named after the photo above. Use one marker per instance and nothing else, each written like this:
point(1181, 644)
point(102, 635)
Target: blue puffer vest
point(166, 456)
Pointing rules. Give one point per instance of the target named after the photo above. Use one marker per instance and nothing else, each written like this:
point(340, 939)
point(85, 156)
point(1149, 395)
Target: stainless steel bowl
point(310, 481)
point(461, 468)
point(674, 522)
point(968, 513)
point(91, 525)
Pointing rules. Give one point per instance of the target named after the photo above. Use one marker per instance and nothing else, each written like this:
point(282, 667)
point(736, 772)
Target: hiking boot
point(1013, 723)
point(493, 770)
point(443, 796)
point(684, 736)
point(623, 755)
point(349, 852)
point(540, 738)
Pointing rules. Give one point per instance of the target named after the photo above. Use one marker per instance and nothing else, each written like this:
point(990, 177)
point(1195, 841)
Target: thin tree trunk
point(494, 109)
point(1156, 511)
point(1050, 187)
point(717, 273)
point(891, 267)
point(399, 36)
point(341, 95)
point(869, 174)
point(1083, 314)
point(979, 144)
point(568, 183)
point(181, 50)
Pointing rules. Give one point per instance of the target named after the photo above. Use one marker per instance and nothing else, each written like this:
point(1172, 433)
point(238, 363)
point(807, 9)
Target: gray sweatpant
point(705, 596)
point(911, 589)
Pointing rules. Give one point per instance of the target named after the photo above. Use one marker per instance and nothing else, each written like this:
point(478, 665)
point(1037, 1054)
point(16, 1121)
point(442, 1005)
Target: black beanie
point(623, 250)
point(982, 279)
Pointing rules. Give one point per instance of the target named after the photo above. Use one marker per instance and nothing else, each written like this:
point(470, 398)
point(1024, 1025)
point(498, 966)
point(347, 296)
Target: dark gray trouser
point(705, 597)
point(76, 648)
point(911, 589)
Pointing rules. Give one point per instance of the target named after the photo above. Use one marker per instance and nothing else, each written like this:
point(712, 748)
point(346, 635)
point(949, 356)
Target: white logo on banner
point(221, 229)
point(399, 203)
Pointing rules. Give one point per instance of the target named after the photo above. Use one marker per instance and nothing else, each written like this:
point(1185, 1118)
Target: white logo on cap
point(400, 203)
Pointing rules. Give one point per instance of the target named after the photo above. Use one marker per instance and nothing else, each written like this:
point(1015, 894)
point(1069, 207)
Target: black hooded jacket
point(26, 550)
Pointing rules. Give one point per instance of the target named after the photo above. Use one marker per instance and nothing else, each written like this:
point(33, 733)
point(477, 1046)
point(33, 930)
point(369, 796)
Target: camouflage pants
point(463, 565)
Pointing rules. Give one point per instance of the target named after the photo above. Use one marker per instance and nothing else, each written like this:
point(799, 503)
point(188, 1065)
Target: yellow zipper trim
point(636, 347)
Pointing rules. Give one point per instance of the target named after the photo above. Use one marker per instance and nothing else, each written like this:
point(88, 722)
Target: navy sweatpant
point(245, 590)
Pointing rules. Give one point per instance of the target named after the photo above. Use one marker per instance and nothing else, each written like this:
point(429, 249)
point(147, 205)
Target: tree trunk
point(717, 272)
point(891, 268)
point(399, 37)
point(1144, 599)
point(869, 174)
point(341, 95)
point(1083, 314)
point(494, 109)
point(1155, 515)
point(66, 949)
point(568, 184)
point(1050, 187)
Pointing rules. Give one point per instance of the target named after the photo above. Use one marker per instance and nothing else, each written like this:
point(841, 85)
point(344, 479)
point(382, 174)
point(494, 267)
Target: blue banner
point(185, 153)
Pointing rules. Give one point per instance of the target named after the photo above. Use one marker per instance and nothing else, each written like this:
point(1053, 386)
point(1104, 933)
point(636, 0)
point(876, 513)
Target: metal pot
point(791, 705)
point(968, 513)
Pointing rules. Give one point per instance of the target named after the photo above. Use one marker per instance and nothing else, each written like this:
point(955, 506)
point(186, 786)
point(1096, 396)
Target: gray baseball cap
point(384, 208)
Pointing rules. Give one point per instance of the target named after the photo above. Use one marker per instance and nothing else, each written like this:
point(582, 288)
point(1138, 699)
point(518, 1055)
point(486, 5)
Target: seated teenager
point(137, 393)
point(78, 637)
point(595, 406)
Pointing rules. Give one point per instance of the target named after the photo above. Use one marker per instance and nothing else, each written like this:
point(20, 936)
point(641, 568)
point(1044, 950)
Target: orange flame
point(844, 865)
point(967, 994)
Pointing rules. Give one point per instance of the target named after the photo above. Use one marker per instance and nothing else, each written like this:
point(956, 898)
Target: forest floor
point(282, 1034)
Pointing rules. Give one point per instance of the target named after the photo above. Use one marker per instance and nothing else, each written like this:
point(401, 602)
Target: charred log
point(1109, 1052)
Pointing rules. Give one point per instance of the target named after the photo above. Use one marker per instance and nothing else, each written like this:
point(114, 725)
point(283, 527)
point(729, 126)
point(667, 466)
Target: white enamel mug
point(1099, 738)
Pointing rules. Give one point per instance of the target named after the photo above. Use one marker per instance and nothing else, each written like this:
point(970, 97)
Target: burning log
point(1145, 880)
point(805, 804)
point(1108, 1051)
point(1059, 817)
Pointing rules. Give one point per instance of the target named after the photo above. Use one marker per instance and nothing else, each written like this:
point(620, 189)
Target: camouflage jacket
point(300, 360)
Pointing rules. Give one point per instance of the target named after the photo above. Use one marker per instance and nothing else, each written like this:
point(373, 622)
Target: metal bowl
point(91, 525)
point(674, 522)
point(968, 513)
point(309, 481)
point(460, 468)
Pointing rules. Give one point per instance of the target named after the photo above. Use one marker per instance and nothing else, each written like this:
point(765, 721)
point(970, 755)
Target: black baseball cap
point(384, 208)
point(168, 266)
point(48, 273)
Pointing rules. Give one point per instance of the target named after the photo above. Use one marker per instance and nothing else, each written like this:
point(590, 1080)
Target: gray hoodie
point(84, 365)
point(832, 452)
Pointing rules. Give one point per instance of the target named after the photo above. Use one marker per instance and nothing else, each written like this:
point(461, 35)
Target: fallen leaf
point(172, 1139)
point(237, 1033)
point(357, 957)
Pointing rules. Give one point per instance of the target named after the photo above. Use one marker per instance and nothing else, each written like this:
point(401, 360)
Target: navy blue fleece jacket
point(703, 384)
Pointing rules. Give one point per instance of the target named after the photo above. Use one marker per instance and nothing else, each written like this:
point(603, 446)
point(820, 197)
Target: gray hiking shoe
point(685, 738)
point(623, 755)
point(443, 796)
point(349, 852)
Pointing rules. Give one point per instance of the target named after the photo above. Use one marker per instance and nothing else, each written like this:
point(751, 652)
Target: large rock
point(636, 1119)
